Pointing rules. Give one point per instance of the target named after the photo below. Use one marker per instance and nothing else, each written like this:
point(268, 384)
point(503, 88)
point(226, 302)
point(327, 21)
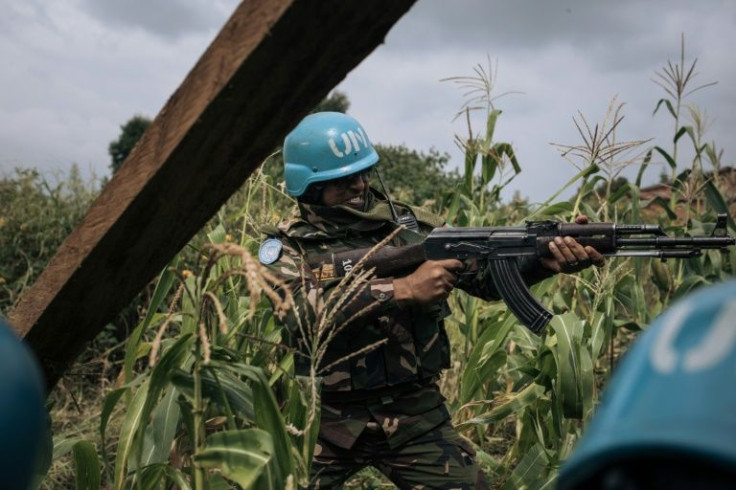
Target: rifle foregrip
point(511, 287)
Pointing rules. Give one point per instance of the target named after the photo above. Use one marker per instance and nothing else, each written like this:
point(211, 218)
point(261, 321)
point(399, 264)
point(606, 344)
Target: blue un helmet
point(668, 417)
point(325, 146)
point(23, 419)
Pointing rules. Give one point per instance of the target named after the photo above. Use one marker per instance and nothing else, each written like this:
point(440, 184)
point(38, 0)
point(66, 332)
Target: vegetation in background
point(36, 215)
point(130, 133)
point(202, 394)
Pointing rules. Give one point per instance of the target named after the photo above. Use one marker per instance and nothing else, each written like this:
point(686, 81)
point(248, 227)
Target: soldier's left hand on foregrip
point(569, 256)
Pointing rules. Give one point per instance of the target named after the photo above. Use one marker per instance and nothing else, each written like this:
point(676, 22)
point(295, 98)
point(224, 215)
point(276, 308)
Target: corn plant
point(525, 399)
point(206, 409)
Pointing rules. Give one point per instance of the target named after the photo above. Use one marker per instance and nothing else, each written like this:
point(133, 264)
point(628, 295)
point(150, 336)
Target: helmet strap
point(407, 219)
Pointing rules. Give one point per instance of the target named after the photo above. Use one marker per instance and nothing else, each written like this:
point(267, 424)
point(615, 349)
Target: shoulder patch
point(270, 251)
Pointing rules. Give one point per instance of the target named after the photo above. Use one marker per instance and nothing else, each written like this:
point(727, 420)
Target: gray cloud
point(599, 28)
point(567, 57)
point(165, 18)
point(78, 69)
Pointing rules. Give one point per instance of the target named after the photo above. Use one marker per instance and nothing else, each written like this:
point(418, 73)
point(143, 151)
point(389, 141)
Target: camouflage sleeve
point(320, 300)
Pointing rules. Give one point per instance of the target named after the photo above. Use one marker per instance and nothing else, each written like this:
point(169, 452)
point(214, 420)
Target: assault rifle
point(502, 248)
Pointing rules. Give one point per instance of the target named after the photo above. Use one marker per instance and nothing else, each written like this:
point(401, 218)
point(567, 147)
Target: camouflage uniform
point(383, 407)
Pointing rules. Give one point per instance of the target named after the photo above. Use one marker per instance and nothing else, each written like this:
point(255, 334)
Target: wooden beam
point(270, 64)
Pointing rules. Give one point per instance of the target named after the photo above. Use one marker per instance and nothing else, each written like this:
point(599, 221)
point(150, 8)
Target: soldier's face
point(349, 191)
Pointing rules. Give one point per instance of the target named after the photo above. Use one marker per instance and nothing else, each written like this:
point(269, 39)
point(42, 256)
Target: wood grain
point(270, 64)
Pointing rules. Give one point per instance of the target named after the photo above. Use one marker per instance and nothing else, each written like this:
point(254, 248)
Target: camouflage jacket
point(376, 357)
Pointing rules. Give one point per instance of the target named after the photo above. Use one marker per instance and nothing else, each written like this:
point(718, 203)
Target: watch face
point(270, 251)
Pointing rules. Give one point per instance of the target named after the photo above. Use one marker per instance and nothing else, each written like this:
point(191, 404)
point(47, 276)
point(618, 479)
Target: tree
point(335, 102)
point(618, 182)
point(130, 133)
point(415, 177)
point(412, 176)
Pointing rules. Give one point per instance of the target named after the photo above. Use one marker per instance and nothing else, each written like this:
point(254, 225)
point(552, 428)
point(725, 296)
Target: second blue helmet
point(671, 406)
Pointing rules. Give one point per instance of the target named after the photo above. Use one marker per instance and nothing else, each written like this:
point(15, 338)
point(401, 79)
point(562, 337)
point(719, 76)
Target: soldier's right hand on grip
point(430, 283)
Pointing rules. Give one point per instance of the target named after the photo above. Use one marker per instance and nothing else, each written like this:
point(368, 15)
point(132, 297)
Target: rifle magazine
point(513, 290)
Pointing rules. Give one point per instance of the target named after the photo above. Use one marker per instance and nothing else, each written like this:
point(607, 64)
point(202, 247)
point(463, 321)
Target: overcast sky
point(75, 70)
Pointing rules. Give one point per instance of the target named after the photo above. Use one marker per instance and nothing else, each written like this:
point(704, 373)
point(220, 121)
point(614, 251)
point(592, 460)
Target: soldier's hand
point(569, 256)
point(431, 282)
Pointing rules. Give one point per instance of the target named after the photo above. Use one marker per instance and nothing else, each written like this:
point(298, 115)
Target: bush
point(36, 216)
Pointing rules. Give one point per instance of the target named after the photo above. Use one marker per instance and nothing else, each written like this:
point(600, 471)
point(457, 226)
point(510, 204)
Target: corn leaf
point(226, 391)
point(555, 209)
point(163, 286)
point(267, 417)
point(598, 333)
point(569, 329)
point(64, 446)
point(161, 432)
point(172, 359)
point(298, 412)
point(485, 359)
point(150, 477)
point(241, 455)
point(670, 161)
point(133, 419)
point(512, 404)
point(111, 401)
point(690, 283)
point(716, 200)
point(86, 466)
point(531, 470)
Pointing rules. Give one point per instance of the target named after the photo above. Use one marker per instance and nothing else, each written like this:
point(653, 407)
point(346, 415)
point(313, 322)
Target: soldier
point(382, 406)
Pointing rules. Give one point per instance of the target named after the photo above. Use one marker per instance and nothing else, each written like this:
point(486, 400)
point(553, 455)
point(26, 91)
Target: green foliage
point(203, 381)
point(87, 466)
point(206, 397)
point(130, 133)
point(36, 215)
point(336, 101)
point(537, 393)
point(413, 176)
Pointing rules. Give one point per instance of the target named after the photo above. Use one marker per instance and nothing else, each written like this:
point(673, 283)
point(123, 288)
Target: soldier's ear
point(312, 195)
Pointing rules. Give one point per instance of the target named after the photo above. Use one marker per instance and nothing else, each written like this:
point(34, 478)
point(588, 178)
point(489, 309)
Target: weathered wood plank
point(270, 64)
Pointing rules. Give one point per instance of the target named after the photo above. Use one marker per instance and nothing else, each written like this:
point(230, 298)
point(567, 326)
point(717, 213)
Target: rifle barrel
point(677, 242)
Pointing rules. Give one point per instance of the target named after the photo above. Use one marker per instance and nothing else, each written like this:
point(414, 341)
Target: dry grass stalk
point(222, 319)
point(359, 283)
point(357, 353)
point(342, 296)
point(258, 279)
point(358, 268)
point(321, 331)
point(479, 88)
point(599, 143)
point(675, 77)
point(206, 351)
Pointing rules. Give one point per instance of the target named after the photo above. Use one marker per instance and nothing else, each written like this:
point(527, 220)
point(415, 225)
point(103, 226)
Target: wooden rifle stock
point(387, 261)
